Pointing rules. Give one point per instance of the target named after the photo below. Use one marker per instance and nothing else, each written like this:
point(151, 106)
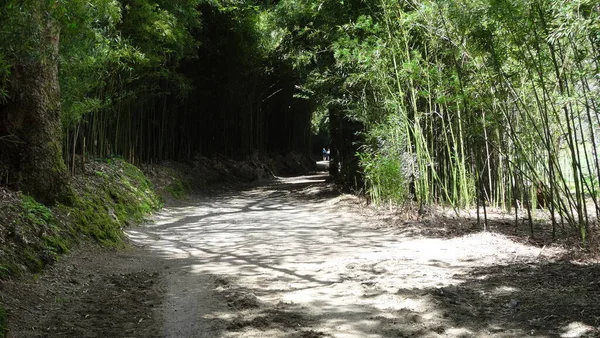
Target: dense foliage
point(152, 79)
point(462, 102)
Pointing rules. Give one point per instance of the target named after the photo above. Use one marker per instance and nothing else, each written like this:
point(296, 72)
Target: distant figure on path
point(324, 152)
point(327, 155)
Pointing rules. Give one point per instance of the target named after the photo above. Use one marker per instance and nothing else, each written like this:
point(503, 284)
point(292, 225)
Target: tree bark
point(30, 128)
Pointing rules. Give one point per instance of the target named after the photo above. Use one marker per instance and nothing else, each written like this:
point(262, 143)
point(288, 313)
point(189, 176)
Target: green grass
point(178, 189)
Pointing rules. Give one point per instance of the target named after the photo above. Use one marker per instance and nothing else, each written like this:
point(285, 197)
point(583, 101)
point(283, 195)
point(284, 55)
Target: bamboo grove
point(487, 103)
point(153, 80)
point(466, 102)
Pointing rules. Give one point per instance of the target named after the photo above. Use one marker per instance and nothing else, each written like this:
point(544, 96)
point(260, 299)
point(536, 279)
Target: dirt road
point(290, 259)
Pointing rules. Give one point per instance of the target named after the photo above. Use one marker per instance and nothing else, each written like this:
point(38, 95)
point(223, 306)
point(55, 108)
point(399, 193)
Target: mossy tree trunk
point(30, 129)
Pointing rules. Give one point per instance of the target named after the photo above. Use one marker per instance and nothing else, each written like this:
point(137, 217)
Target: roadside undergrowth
point(173, 180)
point(108, 196)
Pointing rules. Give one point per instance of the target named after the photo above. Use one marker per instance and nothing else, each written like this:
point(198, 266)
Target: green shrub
point(384, 178)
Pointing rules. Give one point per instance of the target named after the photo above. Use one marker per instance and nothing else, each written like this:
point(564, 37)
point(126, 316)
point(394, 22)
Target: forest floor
point(293, 258)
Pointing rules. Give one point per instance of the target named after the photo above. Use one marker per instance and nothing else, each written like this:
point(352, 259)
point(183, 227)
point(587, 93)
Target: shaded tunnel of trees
point(229, 104)
point(142, 79)
point(471, 103)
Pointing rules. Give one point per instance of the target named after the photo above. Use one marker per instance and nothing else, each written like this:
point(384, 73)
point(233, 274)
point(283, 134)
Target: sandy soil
point(291, 258)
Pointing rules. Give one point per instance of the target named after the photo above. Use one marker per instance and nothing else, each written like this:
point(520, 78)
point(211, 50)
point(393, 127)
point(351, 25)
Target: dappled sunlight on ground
point(576, 329)
point(351, 277)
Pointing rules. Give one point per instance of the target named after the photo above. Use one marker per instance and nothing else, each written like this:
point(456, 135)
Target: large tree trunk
point(30, 129)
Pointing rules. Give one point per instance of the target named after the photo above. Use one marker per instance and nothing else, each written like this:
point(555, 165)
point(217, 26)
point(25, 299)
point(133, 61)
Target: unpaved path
point(288, 259)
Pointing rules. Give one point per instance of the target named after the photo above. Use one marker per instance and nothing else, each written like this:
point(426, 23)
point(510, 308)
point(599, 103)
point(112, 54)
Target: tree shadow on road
point(339, 271)
point(537, 300)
